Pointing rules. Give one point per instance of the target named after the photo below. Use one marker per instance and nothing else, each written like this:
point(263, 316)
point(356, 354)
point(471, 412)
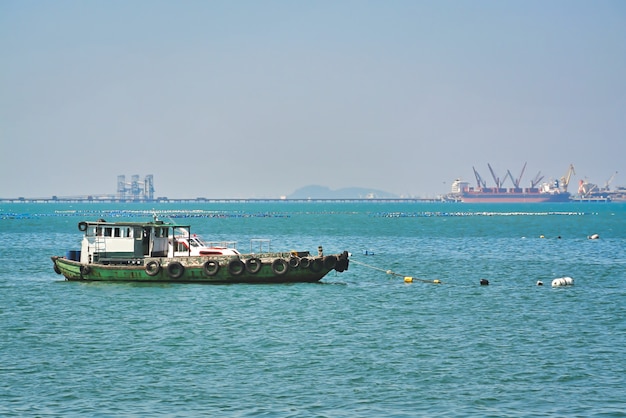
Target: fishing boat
point(157, 251)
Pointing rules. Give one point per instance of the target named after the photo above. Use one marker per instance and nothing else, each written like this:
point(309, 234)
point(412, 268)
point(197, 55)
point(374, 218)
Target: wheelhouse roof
point(102, 222)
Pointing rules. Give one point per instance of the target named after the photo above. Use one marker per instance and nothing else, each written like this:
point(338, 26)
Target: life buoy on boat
point(175, 270)
point(294, 262)
point(82, 226)
point(153, 268)
point(211, 267)
point(253, 265)
point(236, 267)
point(85, 270)
point(280, 266)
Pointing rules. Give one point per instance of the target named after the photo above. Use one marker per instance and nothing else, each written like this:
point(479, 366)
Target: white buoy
point(593, 236)
point(563, 281)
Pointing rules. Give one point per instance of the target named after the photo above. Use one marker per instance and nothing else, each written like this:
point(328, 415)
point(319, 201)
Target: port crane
point(587, 189)
point(564, 181)
point(608, 182)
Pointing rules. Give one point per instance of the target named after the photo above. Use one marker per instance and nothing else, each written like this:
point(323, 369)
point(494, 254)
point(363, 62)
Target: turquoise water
point(360, 343)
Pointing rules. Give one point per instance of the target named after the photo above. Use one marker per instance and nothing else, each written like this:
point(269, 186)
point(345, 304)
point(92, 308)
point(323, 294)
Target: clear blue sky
point(229, 99)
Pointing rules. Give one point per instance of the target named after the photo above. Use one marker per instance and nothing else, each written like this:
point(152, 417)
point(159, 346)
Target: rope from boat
point(392, 273)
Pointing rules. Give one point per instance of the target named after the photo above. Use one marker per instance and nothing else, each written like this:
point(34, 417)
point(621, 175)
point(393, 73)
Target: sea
point(407, 331)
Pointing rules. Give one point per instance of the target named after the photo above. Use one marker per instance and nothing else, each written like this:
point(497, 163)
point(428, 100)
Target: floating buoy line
point(469, 214)
point(558, 282)
point(563, 281)
point(129, 213)
point(202, 213)
point(407, 279)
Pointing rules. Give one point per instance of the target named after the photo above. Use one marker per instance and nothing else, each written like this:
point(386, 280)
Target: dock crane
point(479, 180)
point(608, 182)
point(564, 181)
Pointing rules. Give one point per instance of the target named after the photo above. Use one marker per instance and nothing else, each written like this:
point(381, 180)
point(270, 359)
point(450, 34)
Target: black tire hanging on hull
point(305, 262)
point(316, 265)
point(236, 267)
point(175, 270)
point(280, 266)
point(253, 265)
point(153, 268)
point(211, 267)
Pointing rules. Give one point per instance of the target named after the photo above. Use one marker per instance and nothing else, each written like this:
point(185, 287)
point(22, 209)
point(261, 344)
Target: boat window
point(108, 231)
point(181, 246)
point(116, 232)
point(129, 233)
point(99, 231)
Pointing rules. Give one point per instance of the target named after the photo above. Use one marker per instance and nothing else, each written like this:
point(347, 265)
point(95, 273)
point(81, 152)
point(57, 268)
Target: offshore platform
point(135, 189)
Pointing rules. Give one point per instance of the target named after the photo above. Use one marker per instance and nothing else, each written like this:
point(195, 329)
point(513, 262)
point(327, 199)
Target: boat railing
point(222, 244)
point(262, 244)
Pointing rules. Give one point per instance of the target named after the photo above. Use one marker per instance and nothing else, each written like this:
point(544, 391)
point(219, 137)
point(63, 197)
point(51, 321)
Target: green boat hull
point(260, 268)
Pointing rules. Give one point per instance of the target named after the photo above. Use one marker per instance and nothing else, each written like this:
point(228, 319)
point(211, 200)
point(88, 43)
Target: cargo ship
point(590, 192)
point(547, 192)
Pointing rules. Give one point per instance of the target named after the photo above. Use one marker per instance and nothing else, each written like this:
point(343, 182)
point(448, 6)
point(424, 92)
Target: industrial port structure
point(138, 190)
point(135, 190)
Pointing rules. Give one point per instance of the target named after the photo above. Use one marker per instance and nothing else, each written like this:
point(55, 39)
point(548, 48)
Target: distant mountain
point(323, 192)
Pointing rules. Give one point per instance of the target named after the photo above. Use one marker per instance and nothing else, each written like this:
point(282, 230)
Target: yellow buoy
point(408, 279)
point(437, 281)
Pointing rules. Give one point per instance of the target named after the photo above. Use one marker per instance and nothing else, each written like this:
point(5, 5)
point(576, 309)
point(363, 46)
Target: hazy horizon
point(259, 99)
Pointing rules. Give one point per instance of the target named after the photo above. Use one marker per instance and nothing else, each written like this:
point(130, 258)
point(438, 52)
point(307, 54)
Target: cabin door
point(138, 247)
